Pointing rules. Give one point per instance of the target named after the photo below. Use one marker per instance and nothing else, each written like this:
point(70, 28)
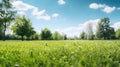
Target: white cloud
point(21, 13)
point(105, 8)
point(55, 15)
point(95, 6)
point(61, 2)
point(76, 30)
point(108, 9)
point(116, 25)
point(40, 14)
point(22, 8)
point(37, 12)
point(44, 17)
point(94, 24)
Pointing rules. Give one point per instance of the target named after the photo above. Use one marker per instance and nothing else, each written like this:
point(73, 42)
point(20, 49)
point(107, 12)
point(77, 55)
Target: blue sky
point(68, 16)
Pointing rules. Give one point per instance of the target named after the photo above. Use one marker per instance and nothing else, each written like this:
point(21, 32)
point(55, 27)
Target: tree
point(112, 33)
point(1, 24)
point(118, 34)
point(57, 36)
point(46, 34)
point(65, 37)
point(23, 27)
point(1, 32)
point(104, 30)
point(1, 29)
point(82, 35)
point(89, 31)
point(7, 14)
point(35, 37)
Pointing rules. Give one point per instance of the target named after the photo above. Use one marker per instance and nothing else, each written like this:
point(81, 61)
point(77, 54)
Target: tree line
point(103, 32)
point(23, 30)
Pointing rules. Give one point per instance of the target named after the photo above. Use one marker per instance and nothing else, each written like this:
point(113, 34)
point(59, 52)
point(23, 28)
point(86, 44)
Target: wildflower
point(53, 58)
point(16, 65)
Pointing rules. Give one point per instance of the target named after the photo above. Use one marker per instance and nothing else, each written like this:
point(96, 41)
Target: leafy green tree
point(1, 29)
point(112, 33)
point(7, 14)
point(104, 30)
point(65, 37)
point(1, 33)
point(83, 36)
point(23, 27)
point(1, 23)
point(117, 34)
point(35, 37)
point(46, 34)
point(57, 36)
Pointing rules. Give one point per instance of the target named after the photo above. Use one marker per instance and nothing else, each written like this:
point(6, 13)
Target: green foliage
point(83, 35)
point(7, 14)
point(65, 37)
point(1, 32)
point(35, 37)
point(23, 27)
point(104, 31)
point(57, 36)
point(60, 53)
point(46, 34)
point(118, 34)
point(111, 33)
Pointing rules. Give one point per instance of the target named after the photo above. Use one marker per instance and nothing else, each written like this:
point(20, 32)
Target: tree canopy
point(57, 36)
point(118, 34)
point(46, 34)
point(23, 27)
point(7, 14)
point(104, 31)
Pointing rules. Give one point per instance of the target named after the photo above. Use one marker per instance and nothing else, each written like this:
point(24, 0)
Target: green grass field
point(60, 53)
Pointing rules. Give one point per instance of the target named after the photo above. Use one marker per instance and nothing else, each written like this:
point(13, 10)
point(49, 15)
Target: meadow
point(66, 53)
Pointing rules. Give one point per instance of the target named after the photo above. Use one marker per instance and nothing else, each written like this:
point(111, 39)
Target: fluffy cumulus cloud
point(22, 8)
point(95, 6)
point(55, 15)
point(116, 25)
point(108, 9)
point(61, 2)
point(40, 14)
point(105, 8)
point(76, 30)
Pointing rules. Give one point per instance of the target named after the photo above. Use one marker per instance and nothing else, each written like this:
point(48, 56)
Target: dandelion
point(72, 53)
point(53, 58)
point(16, 65)
point(64, 57)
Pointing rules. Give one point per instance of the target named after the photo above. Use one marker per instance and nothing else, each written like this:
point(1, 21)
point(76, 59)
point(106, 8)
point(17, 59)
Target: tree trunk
point(22, 38)
point(4, 36)
point(27, 38)
point(4, 32)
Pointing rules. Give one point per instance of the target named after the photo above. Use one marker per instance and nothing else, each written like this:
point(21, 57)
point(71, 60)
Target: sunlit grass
point(70, 53)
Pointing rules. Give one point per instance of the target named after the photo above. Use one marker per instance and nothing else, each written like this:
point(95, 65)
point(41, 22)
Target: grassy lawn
point(69, 53)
